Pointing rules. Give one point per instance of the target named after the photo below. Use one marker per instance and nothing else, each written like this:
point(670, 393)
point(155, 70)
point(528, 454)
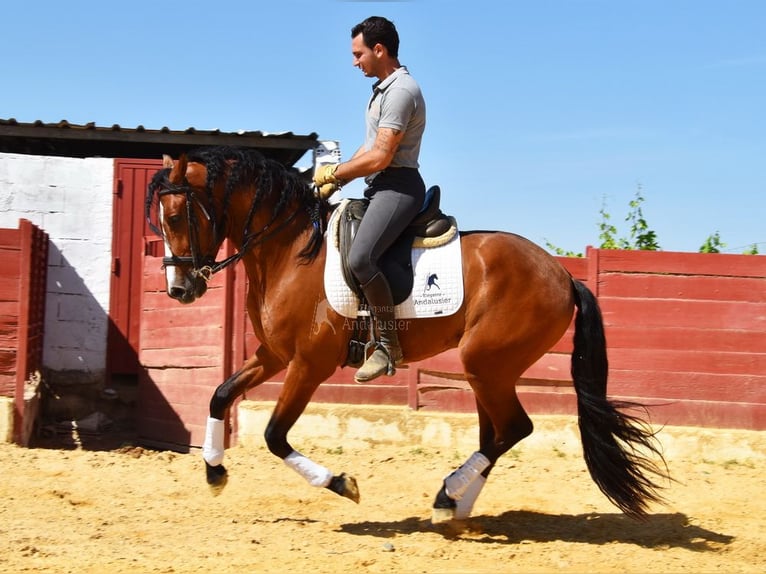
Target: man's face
point(365, 58)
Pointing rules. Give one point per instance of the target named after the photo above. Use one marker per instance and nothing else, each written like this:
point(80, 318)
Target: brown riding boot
point(387, 354)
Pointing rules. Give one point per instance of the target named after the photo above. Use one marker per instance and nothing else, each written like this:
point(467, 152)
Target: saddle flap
point(353, 212)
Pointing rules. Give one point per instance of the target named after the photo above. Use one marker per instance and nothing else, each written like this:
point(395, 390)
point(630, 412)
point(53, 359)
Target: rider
point(388, 160)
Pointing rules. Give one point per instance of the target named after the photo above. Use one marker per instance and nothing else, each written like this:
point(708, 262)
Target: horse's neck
point(269, 260)
point(279, 287)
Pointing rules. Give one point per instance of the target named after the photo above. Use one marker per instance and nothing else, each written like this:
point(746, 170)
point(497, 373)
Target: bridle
point(204, 266)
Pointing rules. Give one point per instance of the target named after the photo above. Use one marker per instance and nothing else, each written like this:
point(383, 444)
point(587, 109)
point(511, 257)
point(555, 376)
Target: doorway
point(131, 178)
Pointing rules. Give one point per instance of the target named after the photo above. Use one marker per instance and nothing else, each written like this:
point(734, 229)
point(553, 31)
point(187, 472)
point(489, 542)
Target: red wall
point(685, 334)
point(687, 330)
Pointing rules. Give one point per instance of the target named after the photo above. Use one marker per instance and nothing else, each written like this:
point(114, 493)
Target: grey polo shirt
point(397, 103)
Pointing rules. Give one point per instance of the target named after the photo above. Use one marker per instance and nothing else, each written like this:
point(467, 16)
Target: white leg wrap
point(212, 448)
point(458, 482)
point(465, 504)
point(315, 474)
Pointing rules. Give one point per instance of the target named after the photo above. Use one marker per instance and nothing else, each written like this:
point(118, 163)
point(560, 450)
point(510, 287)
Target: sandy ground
point(135, 510)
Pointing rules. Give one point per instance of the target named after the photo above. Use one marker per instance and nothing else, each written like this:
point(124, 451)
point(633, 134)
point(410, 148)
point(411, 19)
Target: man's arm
point(358, 152)
point(364, 162)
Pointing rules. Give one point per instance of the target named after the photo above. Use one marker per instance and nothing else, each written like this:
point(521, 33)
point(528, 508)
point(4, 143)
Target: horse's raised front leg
point(300, 383)
point(256, 370)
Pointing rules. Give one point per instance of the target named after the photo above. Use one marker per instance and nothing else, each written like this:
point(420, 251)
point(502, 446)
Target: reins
point(250, 241)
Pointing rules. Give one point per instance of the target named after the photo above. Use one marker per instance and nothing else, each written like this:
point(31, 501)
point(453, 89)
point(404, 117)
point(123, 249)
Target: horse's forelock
point(159, 180)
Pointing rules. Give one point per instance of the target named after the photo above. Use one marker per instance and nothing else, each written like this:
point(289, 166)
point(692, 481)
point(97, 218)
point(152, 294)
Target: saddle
point(428, 226)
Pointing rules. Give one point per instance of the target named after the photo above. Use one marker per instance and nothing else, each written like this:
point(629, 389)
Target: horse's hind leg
point(502, 423)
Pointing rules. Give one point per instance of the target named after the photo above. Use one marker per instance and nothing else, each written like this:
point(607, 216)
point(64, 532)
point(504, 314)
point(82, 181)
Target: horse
point(518, 302)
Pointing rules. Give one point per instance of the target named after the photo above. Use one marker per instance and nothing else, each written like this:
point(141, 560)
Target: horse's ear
point(178, 170)
point(167, 161)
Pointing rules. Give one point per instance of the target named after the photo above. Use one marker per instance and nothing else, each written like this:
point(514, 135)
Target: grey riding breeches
point(396, 196)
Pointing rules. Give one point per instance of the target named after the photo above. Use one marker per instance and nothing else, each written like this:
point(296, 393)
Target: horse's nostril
point(177, 292)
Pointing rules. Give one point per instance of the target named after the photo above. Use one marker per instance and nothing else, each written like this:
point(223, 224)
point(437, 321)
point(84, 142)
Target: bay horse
point(518, 303)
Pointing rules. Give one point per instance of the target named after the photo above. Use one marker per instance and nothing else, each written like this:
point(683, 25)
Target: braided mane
point(239, 168)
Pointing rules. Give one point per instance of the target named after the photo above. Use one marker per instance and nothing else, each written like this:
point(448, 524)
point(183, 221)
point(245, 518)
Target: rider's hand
point(325, 174)
point(327, 189)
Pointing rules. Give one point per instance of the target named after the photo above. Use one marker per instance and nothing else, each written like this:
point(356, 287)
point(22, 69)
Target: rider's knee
point(361, 266)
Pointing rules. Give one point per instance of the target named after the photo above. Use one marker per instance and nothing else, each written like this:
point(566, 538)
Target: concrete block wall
point(71, 200)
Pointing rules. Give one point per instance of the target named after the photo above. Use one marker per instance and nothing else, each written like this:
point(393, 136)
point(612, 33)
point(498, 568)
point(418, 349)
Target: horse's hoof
point(346, 486)
point(444, 508)
point(216, 477)
point(442, 515)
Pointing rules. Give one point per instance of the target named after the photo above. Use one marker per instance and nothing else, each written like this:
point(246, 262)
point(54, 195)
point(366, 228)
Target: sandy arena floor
point(137, 510)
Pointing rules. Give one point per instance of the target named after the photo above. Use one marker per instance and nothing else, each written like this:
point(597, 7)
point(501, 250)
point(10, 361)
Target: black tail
point(616, 446)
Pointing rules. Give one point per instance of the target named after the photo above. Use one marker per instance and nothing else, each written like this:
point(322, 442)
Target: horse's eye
point(174, 221)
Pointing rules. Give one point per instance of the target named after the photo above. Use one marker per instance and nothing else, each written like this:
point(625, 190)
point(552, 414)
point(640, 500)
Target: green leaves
point(713, 244)
point(640, 237)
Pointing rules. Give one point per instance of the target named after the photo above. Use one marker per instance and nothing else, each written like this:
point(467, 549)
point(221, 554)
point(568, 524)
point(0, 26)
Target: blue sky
point(539, 113)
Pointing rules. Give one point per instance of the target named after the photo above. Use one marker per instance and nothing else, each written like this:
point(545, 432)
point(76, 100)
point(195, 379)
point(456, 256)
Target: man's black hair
point(378, 30)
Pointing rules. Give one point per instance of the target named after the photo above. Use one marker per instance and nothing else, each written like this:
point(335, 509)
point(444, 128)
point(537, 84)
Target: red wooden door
point(131, 178)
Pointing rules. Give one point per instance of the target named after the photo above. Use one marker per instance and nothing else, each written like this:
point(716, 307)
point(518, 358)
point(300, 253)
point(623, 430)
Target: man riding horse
point(396, 119)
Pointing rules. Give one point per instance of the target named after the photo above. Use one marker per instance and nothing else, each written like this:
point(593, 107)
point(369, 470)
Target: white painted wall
point(71, 200)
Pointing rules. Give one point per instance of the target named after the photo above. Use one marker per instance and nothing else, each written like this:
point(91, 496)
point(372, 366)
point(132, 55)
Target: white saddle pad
point(437, 288)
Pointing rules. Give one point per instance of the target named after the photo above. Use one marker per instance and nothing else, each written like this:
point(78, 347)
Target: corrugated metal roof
point(90, 140)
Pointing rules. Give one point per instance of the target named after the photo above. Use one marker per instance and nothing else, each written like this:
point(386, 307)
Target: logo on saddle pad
point(432, 296)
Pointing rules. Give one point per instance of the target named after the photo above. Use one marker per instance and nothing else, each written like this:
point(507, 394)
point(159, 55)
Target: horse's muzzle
point(188, 290)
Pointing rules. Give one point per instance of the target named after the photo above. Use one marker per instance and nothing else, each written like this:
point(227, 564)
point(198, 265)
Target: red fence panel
point(685, 335)
point(685, 332)
point(23, 272)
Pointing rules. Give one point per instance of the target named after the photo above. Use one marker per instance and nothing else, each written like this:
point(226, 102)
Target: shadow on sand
point(658, 531)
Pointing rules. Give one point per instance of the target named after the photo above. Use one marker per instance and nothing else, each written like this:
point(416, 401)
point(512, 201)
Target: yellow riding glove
point(325, 174)
point(327, 189)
